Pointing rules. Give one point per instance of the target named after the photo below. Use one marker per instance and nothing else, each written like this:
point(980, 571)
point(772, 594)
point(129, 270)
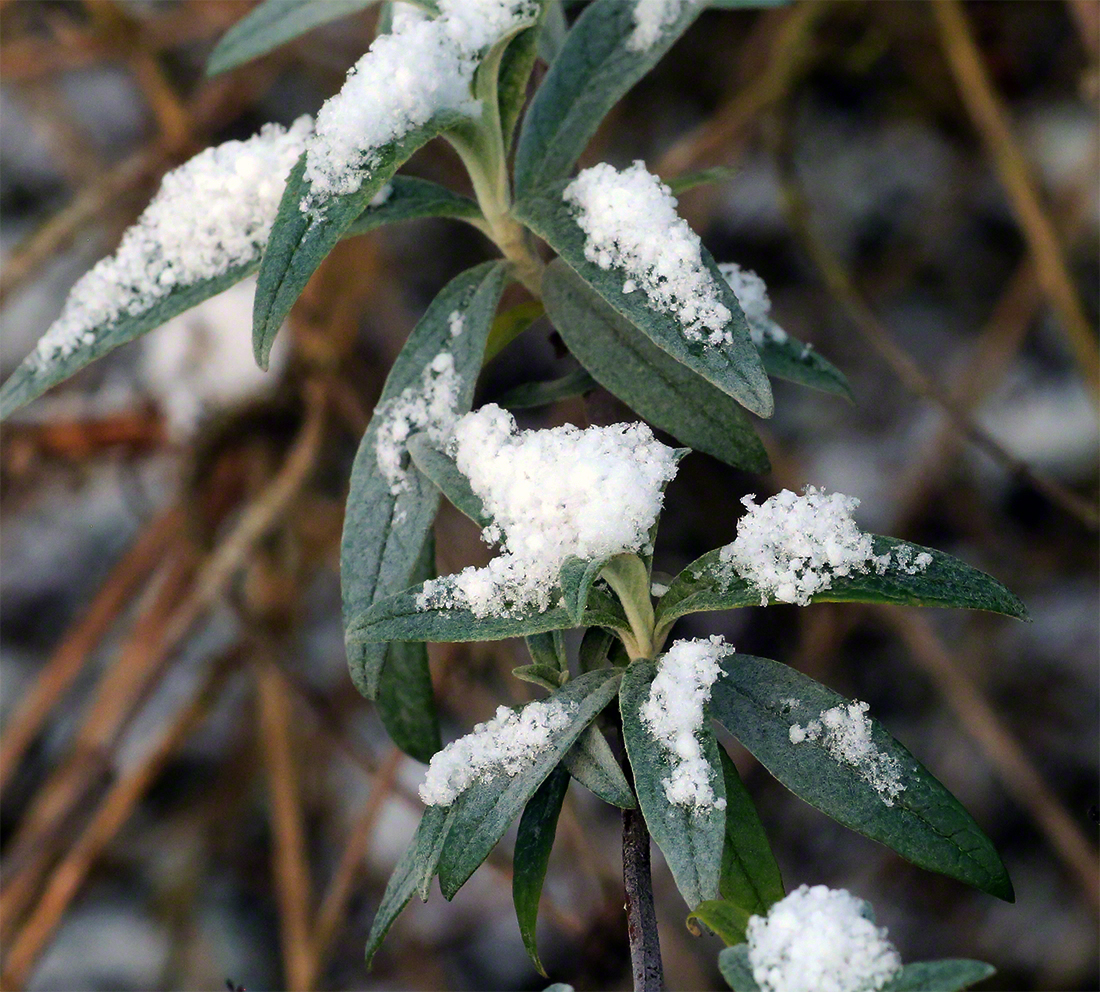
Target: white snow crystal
point(818, 940)
point(212, 213)
point(457, 323)
point(422, 68)
point(791, 547)
point(508, 743)
point(651, 17)
point(551, 494)
point(630, 222)
point(752, 294)
point(673, 713)
point(430, 407)
point(845, 733)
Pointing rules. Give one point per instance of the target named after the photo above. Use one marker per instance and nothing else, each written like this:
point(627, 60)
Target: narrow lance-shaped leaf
point(591, 763)
point(534, 841)
point(576, 577)
point(653, 383)
point(440, 467)
point(384, 531)
point(709, 584)
point(532, 394)
point(794, 361)
point(592, 71)
point(725, 919)
point(877, 789)
point(484, 811)
point(406, 702)
point(515, 71)
point(733, 963)
point(734, 368)
point(690, 838)
point(409, 198)
point(950, 975)
point(595, 645)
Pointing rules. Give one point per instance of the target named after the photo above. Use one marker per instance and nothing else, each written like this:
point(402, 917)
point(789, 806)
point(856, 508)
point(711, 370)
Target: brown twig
point(641, 917)
point(991, 119)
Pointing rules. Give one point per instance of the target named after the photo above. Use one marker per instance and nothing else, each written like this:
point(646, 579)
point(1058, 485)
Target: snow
point(674, 714)
point(424, 67)
point(651, 18)
point(429, 406)
point(212, 213)
point(508, 743)
point(457, 323)
point(752, 294)
point(818, 940)
point(791, 547)
point(592, 493)
point(845, 733)
point(630, 222)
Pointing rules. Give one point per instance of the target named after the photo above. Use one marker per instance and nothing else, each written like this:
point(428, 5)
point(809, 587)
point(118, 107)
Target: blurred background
point(193, 791)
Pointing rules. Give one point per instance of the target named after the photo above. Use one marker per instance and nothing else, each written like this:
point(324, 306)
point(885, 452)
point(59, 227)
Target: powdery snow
point(212, 213)
point(818, 940)
point(651, 18)
point(752, 294)
point(551, 494)
point(422, 68)
point(673, 714)
point(845, 733)
point(430, 407)
point(508, 743)
point(791, 547)
point(630, 222)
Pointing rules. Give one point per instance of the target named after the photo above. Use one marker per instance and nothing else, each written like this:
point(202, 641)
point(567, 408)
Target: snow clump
point(651, 18)
point(422, 68)
point(592, 493)
point(630, 222)
point(508, 743)
point(818, 940)
point(752, 294)
point(212, 213)
point(673, 713)
point(845, 733)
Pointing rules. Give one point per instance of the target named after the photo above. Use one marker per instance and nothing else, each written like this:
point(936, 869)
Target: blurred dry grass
point(234, 790)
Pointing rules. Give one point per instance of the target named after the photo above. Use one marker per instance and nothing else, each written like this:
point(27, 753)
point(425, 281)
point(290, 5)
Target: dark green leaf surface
point(515, 70)
point(591, 73)
point(735, 368)
point(595, 645)
point(548, 678)
point(413, 199)
point(548, 650)
point(421, 856)
point(443, 472)
point(383, 533)
point(534, 841)
point(689, 180)
point(947, 581)
point(690, 839)
point(483, 812)
point(796, 362)
point(939, 976)
point(510, 324)
point(406, 703)
point(653, 383)
point(576, 577)
point(759, 700)
point(554, 29)
point(532, 394)
point(591, 763)
point(722, 918)
point(733, 963)
point(300, 241)
point(750, 876)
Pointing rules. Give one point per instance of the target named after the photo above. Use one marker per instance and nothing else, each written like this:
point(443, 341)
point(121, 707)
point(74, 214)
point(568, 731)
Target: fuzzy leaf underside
point(591, 763)
point(654, 384)
point(384, 533)
point(414, 199)
point(576, 578)
point(949, 975)
point(445, 475)
point(733, 963)
point(758, 701)
point(735, 368)
point(690, 839)
point(947, 581)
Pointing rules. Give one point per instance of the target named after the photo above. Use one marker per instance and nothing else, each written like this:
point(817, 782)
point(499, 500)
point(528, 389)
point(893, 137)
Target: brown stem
point(641, 918)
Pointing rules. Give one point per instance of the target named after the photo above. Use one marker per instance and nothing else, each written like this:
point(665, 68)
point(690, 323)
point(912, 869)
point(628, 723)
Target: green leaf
point(691, 839)
point(722, 918)
point(515, 71)
point(406, 703)
point(548, 650)
point(947, 581)
point(384, 533)
point(653, 383)
point(421, 856)
point(443, 472)
point(548, 678)
point(510, 324)
point(733, 963)
point(31, 379)
point(413, 199)
point(594, 648)
point(735, 368)
point(759, 701)
point(745, 4)
point(590, 74)
point(794, 361)
point(300, 241)
point(554, 29)
point(750, 875)
point(576, 577)
point(532, 394)
point(483, 812)
point(534, 840)
point(939, 976)
point(591, 763)
point(689, 180)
